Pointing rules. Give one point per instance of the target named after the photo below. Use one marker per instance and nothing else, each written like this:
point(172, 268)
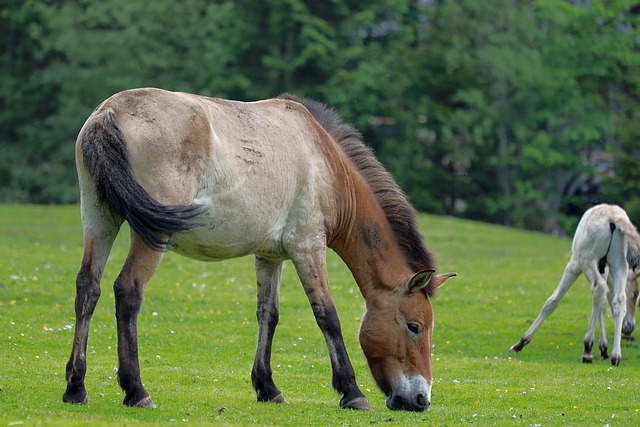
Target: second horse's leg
point(618, 269)
point(571, 273)
point(599, 300)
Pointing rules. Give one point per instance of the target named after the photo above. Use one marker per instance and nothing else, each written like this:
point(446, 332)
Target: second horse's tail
point(632, 237)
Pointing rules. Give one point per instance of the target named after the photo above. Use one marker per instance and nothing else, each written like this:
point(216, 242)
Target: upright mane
point(399, 212)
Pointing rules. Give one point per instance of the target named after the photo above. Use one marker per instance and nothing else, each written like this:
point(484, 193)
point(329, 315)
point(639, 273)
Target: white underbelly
point(228, 239)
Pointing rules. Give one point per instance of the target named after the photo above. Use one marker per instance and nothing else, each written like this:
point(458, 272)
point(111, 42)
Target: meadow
point(197, 333)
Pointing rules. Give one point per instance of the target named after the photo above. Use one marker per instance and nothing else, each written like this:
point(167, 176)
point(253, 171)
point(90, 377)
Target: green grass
point(197, 334)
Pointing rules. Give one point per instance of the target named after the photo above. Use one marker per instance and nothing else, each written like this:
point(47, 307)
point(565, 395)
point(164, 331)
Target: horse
point(606, 248)
point(280, 179)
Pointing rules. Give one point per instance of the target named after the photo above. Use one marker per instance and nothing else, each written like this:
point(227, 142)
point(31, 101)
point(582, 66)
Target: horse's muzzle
point(418, 403)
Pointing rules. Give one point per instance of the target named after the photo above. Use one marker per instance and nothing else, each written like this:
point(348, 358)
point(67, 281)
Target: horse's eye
point(413, 328)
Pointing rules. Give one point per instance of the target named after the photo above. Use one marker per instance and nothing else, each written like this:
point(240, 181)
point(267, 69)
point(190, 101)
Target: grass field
point(197, 334)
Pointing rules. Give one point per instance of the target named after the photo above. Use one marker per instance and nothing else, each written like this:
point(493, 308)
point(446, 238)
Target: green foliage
point(531, 108)
point(197, 335)
point(509, 111)
point(25, 100)
point(624, 184)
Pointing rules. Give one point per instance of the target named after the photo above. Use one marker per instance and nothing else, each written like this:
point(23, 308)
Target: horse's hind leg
point(129, 287)
point(599, 297)
point(268, 276)
point(100, 230)
point(616, 259)
point(571, 273)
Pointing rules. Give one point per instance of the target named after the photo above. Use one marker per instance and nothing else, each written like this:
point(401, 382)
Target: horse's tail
point(632, 237)
point(107, 161)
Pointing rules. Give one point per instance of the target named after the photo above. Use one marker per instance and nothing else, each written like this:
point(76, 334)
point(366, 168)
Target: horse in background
point(281, 179)
point(606, 248)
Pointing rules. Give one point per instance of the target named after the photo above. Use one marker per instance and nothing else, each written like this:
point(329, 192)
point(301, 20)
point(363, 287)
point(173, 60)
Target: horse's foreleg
point(129, 287)
point(97, 244)
point(268, 277)
point(313, 275)
point(571, 273)
point(599, 298)
point(631, 291)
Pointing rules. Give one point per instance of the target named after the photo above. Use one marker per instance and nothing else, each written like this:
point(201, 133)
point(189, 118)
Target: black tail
point(107, 160)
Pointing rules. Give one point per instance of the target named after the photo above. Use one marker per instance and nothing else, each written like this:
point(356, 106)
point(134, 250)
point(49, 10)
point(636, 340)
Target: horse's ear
point(419, 280)
point(438, 280)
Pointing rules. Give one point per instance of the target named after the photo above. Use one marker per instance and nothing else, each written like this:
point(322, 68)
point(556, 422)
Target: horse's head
point(395, 337)
point(629, 321)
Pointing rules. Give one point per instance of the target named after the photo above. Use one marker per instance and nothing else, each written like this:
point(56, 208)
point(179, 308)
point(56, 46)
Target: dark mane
point(399, 212)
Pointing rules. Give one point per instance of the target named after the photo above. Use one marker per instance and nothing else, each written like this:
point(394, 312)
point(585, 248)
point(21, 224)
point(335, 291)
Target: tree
point(520, 106)
point(623, 185)
point(509, 111)
point(24, 100)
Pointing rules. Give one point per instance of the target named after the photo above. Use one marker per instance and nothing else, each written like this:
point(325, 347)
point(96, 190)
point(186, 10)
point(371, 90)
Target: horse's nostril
point(422, 401)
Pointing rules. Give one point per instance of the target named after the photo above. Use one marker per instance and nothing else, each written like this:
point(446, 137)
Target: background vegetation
point(197, 334)
point(519, 112)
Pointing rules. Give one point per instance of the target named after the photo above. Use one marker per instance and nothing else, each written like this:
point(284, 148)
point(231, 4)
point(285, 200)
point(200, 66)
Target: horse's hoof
point(519, 345)
point(142, 403)
point(587, 359)
point(146, 403)
point(79, 398)
point(615, 360)
point(278, 399)
point(359, 403)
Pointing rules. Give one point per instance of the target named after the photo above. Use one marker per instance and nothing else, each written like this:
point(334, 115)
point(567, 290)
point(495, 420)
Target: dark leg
point(313, 274)
point(97, 244)
point(268, 276)
point(344, 377)
point(129, 288)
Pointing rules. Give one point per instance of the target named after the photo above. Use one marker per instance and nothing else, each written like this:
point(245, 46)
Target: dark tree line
point(520, 112)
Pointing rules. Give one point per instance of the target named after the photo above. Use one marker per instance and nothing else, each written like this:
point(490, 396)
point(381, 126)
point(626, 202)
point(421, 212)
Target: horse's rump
point(106, 158)
point(622, 222)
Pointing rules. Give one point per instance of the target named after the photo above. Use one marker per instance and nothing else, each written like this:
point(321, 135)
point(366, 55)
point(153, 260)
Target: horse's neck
point(365, 242)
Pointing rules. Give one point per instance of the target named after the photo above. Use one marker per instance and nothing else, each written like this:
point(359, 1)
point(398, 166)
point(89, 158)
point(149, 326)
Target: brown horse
point(281, 179)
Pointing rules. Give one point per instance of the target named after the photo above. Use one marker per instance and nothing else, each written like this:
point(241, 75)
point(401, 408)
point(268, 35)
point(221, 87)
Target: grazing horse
point(606, 248)
point(281, 179)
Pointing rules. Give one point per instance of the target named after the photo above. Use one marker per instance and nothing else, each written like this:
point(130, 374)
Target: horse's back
point(187, 135)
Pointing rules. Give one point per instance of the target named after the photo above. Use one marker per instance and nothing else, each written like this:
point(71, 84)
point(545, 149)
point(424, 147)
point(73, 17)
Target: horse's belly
point(220, 244)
